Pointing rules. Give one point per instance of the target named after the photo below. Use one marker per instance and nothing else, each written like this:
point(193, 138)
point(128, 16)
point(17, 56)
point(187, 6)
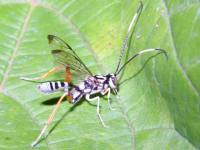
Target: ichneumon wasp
point(91, 84)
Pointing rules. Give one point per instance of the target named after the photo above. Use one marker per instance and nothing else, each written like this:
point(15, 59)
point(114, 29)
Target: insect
point(91, 84)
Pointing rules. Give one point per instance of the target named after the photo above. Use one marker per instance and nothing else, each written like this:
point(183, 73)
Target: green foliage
point(158, 106)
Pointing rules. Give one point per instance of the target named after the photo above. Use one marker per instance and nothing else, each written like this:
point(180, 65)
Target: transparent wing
point(67, 59)
point(66, 56)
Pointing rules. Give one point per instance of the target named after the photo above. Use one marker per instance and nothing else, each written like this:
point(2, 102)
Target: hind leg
point(51, 117)
point(51, 71)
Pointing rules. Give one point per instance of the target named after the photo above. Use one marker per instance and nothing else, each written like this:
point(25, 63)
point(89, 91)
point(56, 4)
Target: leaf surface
point(158, 106)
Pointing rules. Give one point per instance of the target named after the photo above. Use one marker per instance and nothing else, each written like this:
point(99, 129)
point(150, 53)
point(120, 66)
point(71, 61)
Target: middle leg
point(98, 107)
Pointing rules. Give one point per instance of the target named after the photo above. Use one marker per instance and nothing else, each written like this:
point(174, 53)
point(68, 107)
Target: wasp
point(91, 84)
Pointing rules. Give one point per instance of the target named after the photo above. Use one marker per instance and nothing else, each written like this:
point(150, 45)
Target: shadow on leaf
point(53, 101)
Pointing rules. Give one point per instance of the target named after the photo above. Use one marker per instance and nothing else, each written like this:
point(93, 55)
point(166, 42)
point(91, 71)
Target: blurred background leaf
point(158, 106)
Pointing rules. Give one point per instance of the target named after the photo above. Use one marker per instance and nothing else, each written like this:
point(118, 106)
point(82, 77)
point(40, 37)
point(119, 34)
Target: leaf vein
point(17, 45)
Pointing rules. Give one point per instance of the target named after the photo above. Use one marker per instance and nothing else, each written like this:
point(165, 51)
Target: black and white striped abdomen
point(52, 86)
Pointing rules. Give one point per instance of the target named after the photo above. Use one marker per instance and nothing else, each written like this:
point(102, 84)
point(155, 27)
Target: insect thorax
point(93, 85)
point(99, 83)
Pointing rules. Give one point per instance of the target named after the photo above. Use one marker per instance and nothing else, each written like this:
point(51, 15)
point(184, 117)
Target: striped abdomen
point(52, 86)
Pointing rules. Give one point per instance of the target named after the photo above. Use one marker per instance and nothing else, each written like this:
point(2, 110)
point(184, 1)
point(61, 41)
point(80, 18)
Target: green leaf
point(158, 106)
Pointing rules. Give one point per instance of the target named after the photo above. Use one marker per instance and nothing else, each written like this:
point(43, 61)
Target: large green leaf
point(158, 106)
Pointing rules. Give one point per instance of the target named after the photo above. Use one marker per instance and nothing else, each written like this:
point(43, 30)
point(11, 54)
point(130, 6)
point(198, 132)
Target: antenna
point(131, 26)
point(138, 54)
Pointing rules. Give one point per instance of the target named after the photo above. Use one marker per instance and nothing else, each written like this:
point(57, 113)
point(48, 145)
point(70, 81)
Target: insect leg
point(98, 107)
point(52, 115)
point(116, 93)
point(108, 96)
point(53, 70)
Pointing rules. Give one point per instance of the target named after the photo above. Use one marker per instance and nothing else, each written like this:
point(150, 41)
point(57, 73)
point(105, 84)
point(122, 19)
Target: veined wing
point(66, 56)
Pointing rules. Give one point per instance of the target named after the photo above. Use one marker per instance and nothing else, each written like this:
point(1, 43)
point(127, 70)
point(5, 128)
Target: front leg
point(103, 93)
point(98, 106)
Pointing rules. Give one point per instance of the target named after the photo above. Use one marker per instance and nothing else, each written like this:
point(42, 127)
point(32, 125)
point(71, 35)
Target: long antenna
point(141, 52)
point(131, 26)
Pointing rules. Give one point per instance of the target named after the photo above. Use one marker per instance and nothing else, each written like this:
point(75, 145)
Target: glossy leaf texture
point(159, 104)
